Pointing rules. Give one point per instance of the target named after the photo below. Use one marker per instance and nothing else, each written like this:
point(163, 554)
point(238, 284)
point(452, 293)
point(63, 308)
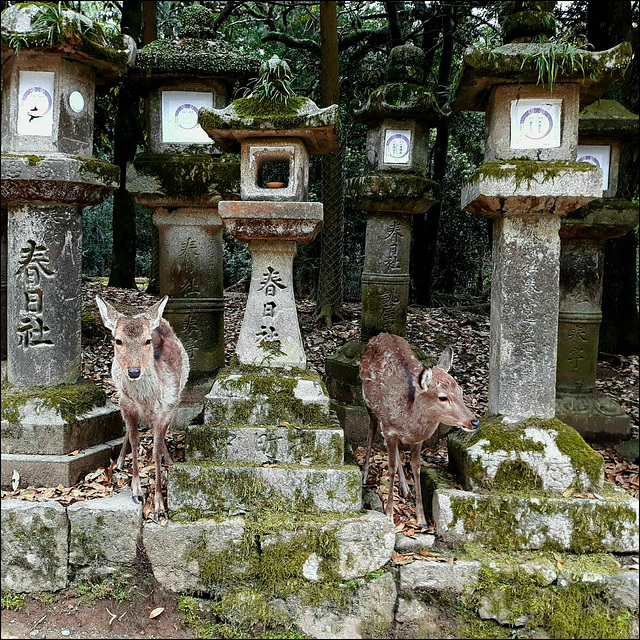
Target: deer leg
point(416, 463)
point(404, 487)
point(392, 452)
point(123, 450)
point(132, 429)
point(159, 447)
point(165, 452)
point(373, 428)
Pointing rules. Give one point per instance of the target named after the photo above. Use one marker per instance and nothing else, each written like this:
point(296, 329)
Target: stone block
point(176, 550)
point(527, 188)
point(271, 444)
point(596, 417)
point(354, 420)
point(103, 536)
point(580, 525)
point(415, 543)
point(209, 488)
point(52, 470)
point(369, 614)
point(344, 364)
point(395, 192)
point(34, 546)
point(364, 544)
point(257, 153)
point(546, 455)
point(239, 397)
point(439, 576)
point(499, 122)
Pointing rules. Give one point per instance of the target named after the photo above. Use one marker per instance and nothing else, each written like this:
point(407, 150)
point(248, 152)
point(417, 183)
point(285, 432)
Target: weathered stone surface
point(553, 452)
point(417, 619)
point(629, 450)
point(608, 118)
point(285, 445)
point(259, 397)
point(439, 576)
point(51, 470)
point(316, 127)
point(34, 546)
point(527, 188)
point(174, 550)
point(493, 606)
point(394, 193)
point(370, 614)
point(623, 589)
point(213, 488)
point(258, 152)
point(365, 543)
point(415, 543)
point(578, 524)
point(103, 537)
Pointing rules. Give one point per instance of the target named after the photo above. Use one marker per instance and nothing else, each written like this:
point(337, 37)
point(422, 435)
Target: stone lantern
point(530, 178)
point(48, 176)
point(267, 408)
point(399, 115)
point(183, 176)
point(604, 125)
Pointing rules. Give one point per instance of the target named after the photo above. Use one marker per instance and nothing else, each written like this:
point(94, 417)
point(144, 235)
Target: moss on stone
point(105, 172)
point(528, 26)
point(518, 475)
point(31, 159)
point(88, 542)
point(400, 188)
point(401, 100)
point(70, 401)
point(191, 175)
point(582, 456)
point(528, 171)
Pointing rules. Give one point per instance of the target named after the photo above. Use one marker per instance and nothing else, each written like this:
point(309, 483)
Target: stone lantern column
point(48, 176)
point(603, 126)
point(183, 176)
point(522, 467)
point(398, 115)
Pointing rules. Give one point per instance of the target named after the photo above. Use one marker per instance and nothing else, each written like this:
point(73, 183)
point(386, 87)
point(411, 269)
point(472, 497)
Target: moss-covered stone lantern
point(399, 115)
point(52, 59)
point(524, 470)
point(604, 125)
point(183, 176)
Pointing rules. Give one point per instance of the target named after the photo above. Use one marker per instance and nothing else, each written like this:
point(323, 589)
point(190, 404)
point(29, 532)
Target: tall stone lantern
point(524, 470)
point(398, 115)
point(48, 176)
point(182, 176)
point(604, 126)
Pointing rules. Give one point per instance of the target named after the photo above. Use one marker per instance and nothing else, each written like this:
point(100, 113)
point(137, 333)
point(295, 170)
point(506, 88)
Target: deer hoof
point(138, 499)
point(160, 515)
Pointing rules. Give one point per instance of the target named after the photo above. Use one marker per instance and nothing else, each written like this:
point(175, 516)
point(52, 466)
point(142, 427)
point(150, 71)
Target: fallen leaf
point(156, 612)
point(74, 453)
point(451, 561)
point(15, 479)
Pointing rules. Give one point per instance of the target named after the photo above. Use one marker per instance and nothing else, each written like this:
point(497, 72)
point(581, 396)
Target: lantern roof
point(608, 118)
point(51, 29)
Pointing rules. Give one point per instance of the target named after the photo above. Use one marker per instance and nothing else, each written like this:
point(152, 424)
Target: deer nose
point(475, 424)
point(133, 372)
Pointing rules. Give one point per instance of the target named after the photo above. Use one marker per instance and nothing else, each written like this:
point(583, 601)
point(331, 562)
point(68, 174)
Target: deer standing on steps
point(408, 402)
point(150, 370)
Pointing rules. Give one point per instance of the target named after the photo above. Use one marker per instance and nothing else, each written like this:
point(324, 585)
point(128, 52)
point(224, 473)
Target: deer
point(408, 402)
point(150, 369)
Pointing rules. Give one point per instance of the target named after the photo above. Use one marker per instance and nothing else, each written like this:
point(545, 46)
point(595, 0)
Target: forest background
point(451, 249)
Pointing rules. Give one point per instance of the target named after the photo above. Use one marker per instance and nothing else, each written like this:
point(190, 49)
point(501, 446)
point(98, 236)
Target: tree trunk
point(149, 34)
point(393, 22)
point(607, 25)
point(127, 134)
point(425, 228)
point(330, 286)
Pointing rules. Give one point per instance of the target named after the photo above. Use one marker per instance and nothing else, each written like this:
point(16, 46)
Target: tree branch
point(224, 14)
point(290, 41)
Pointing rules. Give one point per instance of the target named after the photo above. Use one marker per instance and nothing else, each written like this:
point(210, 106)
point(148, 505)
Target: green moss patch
point(70, 401)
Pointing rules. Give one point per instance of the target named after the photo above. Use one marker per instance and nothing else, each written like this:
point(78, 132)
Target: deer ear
point(446, 358)
point(109, 314)
point(154, 313)
point(424, 379)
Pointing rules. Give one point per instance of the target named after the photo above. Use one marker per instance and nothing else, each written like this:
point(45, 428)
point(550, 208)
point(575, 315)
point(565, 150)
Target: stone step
point(580, 525)
point(52, 470)
point(266, 444)
point(214, 489)
point(251, 395)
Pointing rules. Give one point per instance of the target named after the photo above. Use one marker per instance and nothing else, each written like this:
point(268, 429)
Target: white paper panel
point(180, 116)
point(35, 109)
point(599, 155)
point(535, 124)
point(397, 146)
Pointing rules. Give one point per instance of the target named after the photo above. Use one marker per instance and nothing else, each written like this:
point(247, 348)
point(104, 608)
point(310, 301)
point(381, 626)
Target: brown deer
point(408, 402)
point(150, 370)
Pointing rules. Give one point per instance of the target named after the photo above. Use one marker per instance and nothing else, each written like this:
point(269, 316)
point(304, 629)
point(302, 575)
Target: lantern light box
point(35, 111)
point(397, 146)
point(598, 155)
point(535, 124)
point(180, 116)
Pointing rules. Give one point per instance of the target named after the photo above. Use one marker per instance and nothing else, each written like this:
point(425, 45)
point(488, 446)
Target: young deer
point(150, 369)
point(408, 402)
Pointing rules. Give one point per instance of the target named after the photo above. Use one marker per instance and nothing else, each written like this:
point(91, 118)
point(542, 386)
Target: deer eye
point(442, 398)
point(148, 341)
point(118, 341)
